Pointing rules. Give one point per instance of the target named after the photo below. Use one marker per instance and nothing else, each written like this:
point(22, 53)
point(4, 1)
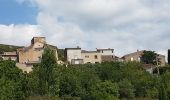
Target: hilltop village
point(27, 56)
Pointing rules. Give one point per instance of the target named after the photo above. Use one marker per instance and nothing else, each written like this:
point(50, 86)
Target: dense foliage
point(105, 81)
point(60, 54)
point(149, 57)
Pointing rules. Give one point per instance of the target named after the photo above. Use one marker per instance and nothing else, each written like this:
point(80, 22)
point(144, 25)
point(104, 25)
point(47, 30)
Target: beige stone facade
point(162, 59)
point(78, 56)
point(136, 56)
point(28, 56)
point(91, 57)
point(133, 56)
point(107, 54)
point(33, 53)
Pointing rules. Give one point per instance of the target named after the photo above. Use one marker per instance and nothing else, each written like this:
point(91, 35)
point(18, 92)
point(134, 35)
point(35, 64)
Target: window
point(86, 56)
point(39, 58)
point(95, 56)
point(112, 51)
point(102, 51)
point(131, 59)
point(77, 62)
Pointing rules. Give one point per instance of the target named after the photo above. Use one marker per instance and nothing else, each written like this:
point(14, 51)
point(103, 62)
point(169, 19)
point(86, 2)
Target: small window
point(95, 56)
point(86, 56)
point(102, 51)
point(112, 51)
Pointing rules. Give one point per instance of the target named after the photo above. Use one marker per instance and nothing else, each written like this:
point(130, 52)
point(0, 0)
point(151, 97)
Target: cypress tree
point(46, 71)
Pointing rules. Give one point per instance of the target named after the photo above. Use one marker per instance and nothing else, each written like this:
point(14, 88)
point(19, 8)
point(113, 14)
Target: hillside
point(8, 48)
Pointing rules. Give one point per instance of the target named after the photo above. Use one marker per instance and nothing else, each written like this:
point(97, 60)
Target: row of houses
point(78, 56)
point(27, 56)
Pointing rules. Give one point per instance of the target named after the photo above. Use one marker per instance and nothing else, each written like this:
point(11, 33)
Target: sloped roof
point(133, 53)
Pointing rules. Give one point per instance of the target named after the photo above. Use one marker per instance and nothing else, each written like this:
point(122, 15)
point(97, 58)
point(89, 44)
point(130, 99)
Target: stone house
point(73, 55)
point(9, 55)
point(107, 54)
point(32, 54)
point(78, 56)
point(91, 56)
point(136, 56)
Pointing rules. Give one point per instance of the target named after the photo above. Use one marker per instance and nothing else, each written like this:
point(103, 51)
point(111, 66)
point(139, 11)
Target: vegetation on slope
point(105, 81)
point(8, 48)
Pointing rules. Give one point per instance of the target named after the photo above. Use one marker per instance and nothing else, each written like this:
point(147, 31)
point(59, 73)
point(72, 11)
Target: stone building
point(91, 56)
point(73, 55)
point(107, 54)
point(136, 56)
point(9, 55)
point(32, 54)
point(78, 56)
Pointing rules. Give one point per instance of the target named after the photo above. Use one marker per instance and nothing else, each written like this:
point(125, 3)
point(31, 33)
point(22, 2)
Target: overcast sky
point(124, 25)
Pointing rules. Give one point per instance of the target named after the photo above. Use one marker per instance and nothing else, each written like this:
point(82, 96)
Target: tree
point(126, 89)
point(48, 78)
point(162, 92)
point(11, 86)
point(70, 83)
point(108, 91)
point(149, 57)
point(108, 71)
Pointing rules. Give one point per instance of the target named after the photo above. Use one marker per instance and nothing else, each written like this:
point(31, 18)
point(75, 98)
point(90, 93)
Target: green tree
point(11, 87)
point(126, 89)
point(70, 83)
point(149, 57)
point(162, 92)
point(108, 71)
point(108, 91)
point(48, 78)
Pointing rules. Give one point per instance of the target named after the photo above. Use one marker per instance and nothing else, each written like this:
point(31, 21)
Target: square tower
point(38, 39)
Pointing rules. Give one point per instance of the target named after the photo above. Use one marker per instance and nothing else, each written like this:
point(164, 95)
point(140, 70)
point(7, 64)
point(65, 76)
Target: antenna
point(77, 43)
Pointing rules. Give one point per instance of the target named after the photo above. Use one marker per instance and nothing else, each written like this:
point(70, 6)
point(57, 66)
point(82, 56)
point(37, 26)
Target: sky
point(124, 25)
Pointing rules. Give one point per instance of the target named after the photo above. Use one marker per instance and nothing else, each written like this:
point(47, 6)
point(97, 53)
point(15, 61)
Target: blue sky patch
point(11, 12)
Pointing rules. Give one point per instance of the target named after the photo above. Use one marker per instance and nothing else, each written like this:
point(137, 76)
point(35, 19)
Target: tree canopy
point(102, 81)
point(149, 57)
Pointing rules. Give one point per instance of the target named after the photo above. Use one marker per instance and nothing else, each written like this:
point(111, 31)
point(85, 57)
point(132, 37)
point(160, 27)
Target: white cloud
point(125, 25)
point(18, 34)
